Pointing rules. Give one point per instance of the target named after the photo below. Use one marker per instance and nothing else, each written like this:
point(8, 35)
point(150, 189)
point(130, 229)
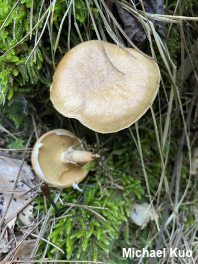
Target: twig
point(18, 157)
point(27, 149)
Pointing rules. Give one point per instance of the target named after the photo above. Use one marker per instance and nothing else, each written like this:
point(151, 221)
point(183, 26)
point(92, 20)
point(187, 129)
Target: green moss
point(15, 75)
point(17, 112)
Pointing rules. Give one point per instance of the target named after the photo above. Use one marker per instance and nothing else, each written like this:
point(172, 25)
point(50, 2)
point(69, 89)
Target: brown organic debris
point(9, 171)
point(134, 28)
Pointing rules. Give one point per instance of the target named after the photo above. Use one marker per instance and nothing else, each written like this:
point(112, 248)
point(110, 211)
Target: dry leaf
point(26, 247)
point(141, 214)
point(8, 174)
point(3, 243)
point(133, 28)
point(26, 215)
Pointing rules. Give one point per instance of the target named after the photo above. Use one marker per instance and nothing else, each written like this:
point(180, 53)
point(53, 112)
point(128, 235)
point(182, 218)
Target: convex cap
point(58, 158)
point(88, 88)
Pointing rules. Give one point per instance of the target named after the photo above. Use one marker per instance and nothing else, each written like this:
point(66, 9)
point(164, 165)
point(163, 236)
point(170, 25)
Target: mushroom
point(46, 192)
point(58, 157)
point(88, 88)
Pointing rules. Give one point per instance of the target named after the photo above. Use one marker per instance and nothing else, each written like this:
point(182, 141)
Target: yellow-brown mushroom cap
point(88, 88)
point(46, 159)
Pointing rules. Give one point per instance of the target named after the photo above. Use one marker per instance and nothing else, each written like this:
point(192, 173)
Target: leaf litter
point(21, 195)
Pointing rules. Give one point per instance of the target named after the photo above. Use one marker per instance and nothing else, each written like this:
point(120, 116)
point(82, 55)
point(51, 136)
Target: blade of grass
point(28, 33)
point(9, 15)
point(61, 25)
point(145, 173)
point(31, 15)
point(98, 36)
point(179, 153)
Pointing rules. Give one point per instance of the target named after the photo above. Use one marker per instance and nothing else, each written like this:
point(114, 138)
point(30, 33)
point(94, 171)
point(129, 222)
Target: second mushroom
point(58, 157)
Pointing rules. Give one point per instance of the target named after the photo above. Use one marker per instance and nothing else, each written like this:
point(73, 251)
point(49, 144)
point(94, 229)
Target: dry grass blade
point(163, 176)
point(35, 46)
point(98, 36)
point(163, 18)
point(63, 216)
point(28, 33)
point(69, 29)
point(35, 128)
point(22, 150)
point(75, 23)
point(109, 29)
point(119, 27)
point(172, 79)
point(9, 15)
point(43, 229)
point(134, 139)
point(161, 50)
point(61, 25)
point(87, 206)
point(168, 115)
point(179, 154)
point(48, 242)
point(51, 32)
point(6, 246)
point(58, 261)
point(31, 15)
point(179, 18)
point(8, 132)
point(17, 157)
point(96, 213)
point(28, 232)
point(145, 173)
point(36, 35)
point(147, 29)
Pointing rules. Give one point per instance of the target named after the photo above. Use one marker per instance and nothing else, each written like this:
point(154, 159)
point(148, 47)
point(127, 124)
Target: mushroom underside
point(49, 159)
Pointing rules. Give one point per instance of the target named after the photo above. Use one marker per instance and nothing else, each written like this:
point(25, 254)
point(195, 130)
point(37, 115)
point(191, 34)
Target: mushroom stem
point(77, 156)
point(46, 192)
